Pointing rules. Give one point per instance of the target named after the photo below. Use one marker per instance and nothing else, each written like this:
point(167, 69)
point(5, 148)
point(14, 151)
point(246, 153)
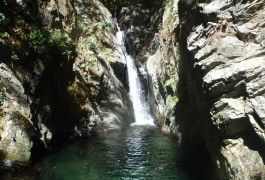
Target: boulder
point(16, 127)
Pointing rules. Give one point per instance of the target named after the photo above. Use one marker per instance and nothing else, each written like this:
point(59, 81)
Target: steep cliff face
point(161, 66)
point(61, 76)
point(222, 69)
point(150, 31)
point(210, 56)
point(99, 80)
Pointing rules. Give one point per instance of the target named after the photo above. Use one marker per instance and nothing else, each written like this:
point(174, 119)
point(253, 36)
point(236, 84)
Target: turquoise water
point(140, 152)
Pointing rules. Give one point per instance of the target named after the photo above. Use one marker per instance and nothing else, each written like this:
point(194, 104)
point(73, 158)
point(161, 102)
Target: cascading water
point(140, 107)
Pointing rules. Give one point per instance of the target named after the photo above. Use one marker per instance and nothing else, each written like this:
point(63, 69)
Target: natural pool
point(140, 152)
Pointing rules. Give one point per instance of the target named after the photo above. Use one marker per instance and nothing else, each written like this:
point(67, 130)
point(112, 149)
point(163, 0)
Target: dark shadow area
point(192, 111)
point(254, 142)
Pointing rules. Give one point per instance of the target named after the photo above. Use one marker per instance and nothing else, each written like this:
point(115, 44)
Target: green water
point(140, 152)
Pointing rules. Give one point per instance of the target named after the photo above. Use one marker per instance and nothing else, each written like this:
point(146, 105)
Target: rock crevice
point(222, 68)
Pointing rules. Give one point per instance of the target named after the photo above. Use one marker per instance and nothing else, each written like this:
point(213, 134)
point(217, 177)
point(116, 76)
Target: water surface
point(140, 152)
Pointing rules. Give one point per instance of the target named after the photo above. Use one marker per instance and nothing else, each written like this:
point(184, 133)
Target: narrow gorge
point(68, 106)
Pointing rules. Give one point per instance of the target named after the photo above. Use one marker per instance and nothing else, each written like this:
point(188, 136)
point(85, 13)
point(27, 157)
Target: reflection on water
point(140, 152)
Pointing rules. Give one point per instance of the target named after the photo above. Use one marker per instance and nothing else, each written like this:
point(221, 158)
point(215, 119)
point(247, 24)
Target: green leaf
point(174, 102)
point(14, 56)
point(170, 82)
point(4, 35)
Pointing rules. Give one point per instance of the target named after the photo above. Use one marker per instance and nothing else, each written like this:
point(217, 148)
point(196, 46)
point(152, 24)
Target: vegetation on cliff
point(62, 75)
point(57, 76)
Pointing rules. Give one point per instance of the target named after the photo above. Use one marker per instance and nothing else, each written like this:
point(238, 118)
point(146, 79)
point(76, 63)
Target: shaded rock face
point(139, 20)
point(150, 30)
point(73, 89)
point(221, 67)
point(160, 69)
point(99, 80)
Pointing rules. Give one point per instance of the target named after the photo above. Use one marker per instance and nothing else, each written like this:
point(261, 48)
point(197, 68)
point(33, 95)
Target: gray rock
point(223, 74)
point(230, 117)
point(216, 6)
point(237, 158)
point(41, 102)
point(15, 122)
point(160, 67)
point(259, 105)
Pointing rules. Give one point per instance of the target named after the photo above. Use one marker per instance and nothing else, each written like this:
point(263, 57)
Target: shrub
point(60, 40)
point(38, 40)
point(45, 42)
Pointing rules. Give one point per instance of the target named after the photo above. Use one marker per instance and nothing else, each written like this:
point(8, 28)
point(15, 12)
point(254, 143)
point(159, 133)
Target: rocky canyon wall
point(221, 69)
point(202, 65)
point(62, 75)
point(150, 30)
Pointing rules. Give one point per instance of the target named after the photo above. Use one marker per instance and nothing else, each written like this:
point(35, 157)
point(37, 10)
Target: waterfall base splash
point(140, 106)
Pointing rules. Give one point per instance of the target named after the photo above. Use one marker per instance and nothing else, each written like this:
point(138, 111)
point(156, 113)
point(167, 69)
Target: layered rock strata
point(222, 68)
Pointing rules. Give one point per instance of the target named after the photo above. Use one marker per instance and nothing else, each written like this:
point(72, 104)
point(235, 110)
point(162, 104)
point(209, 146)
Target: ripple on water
point(140, 152)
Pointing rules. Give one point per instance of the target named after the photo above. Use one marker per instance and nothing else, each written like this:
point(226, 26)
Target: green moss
point(15, 156)
point(102, 25)
point(90, 43)
point(75, 90)
point(11, 156)
point(8, 156)
point(172, 83)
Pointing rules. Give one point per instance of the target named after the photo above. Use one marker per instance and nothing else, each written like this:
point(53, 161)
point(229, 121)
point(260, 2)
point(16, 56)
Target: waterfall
point(140, 106)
